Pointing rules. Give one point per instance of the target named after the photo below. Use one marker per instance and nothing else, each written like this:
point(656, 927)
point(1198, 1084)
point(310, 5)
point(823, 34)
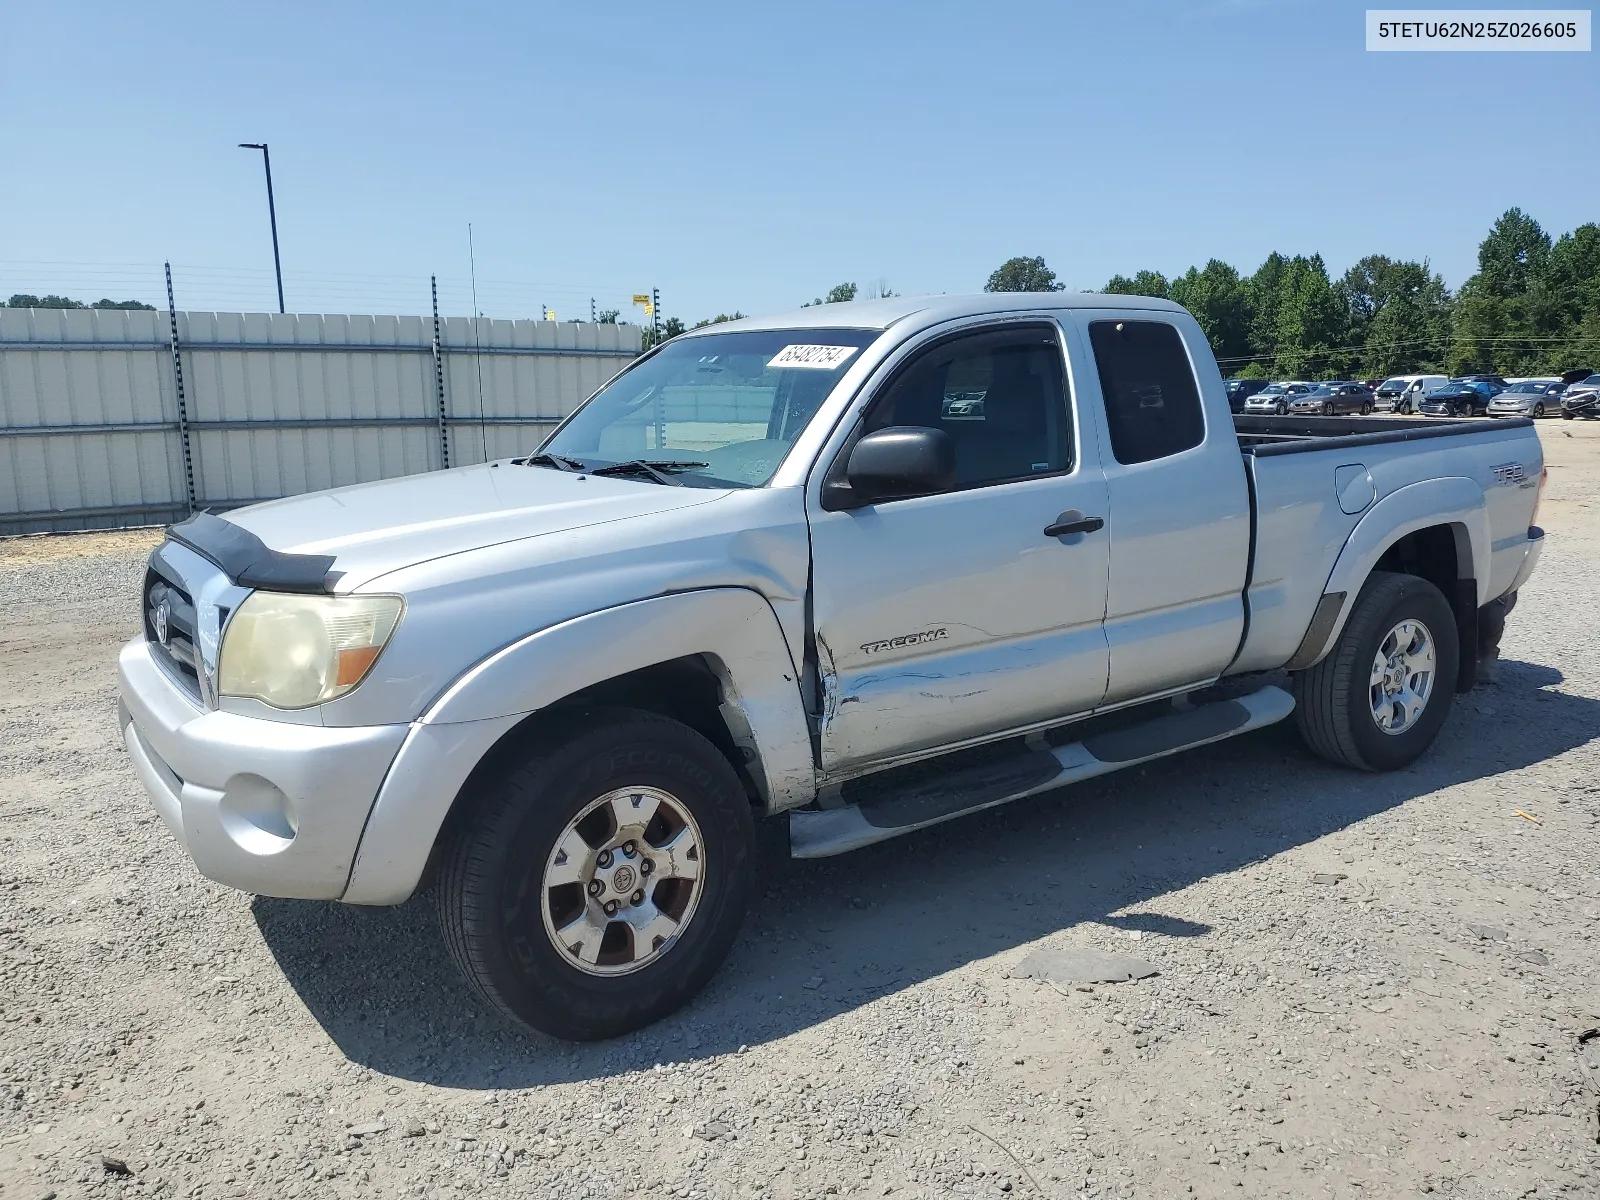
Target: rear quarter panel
point(1485, 483)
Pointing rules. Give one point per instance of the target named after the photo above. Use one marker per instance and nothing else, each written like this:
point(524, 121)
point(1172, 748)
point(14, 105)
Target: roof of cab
point(880, 314)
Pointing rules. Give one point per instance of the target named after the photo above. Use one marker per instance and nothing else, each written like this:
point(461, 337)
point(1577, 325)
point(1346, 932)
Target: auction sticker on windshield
point(824, 358)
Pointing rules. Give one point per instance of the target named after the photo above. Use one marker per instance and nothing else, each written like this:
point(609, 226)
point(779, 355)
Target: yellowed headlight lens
point(293, 651)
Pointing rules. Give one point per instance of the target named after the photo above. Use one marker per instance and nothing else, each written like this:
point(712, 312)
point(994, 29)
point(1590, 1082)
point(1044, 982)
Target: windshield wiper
point(558, 461)
point(660, 470)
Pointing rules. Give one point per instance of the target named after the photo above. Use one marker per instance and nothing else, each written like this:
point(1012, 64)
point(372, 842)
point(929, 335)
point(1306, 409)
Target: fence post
point(438, 378)
point(183, 407)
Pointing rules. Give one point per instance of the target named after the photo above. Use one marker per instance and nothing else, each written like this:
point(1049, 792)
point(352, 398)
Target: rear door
point(949, 617)
point(1180, 505)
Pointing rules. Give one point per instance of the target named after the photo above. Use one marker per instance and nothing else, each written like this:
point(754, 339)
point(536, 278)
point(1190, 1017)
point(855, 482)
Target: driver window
point(1001, 396)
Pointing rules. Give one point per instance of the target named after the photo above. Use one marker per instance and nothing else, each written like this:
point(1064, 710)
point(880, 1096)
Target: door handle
point(1073, 522)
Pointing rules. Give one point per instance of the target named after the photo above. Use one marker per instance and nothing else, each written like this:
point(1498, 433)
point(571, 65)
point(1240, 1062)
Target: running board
point(824, 832)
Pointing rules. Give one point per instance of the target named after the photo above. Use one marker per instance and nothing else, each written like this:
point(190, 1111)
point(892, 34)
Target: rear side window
point(1152, 402)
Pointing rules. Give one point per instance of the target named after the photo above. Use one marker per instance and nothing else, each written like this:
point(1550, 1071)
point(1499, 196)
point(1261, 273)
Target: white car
point(762, 571)
point(1402, 394)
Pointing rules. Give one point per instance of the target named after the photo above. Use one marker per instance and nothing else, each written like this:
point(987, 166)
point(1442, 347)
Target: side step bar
point(825, 832)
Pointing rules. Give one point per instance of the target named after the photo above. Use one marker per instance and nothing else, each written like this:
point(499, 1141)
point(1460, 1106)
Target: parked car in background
point(1275, 397)
point(1330, 399)
point(1460, 398)
point(1403, 393)
point(1499, 381)
point(1240, 390)
point(1528, 398)
point(1582, 399)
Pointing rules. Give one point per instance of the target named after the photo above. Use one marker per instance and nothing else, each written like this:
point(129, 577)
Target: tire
point(1327, 408)
point(1366, 410)
point(1282, 409)
point(1538, 411)
point(495, 907)
point(1565, 415)
point(1333, 700)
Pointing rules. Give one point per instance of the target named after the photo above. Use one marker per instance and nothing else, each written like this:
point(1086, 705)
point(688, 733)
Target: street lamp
point(272, 212)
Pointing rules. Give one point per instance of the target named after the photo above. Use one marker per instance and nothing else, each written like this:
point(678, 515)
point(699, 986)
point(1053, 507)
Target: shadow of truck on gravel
point(826, 936)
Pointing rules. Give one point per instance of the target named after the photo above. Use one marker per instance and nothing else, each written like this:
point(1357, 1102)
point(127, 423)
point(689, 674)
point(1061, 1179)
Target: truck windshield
point(719, 410)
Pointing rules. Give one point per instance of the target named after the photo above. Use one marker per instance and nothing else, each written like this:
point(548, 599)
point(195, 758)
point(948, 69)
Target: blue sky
point(750, 155)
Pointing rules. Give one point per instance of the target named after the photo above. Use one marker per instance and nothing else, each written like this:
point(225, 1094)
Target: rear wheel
point(1378, 699)
point(1366, 409)
point(602, 878)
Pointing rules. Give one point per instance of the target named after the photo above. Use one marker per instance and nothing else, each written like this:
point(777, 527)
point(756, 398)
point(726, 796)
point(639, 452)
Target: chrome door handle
point(1072, 522)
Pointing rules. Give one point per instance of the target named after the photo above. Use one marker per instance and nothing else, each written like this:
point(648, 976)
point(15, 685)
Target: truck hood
point(371, 529)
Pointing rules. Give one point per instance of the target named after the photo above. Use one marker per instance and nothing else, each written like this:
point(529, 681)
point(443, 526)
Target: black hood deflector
point(249, 561)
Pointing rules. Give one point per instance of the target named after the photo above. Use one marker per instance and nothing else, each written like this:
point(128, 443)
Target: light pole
point(272, 212)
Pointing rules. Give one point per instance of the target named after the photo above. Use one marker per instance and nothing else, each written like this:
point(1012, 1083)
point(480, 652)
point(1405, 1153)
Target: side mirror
point(893, 463)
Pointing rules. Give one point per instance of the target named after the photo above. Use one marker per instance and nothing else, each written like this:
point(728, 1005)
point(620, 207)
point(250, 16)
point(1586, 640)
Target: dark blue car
point(1460, 398)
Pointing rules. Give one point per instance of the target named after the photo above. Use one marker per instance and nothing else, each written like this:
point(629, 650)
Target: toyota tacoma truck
point(868, 566)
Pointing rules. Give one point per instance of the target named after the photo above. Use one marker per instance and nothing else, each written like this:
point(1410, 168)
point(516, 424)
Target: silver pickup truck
point(869, 565)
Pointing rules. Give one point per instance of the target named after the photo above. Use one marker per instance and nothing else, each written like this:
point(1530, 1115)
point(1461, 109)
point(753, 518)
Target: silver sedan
point(1528, 398)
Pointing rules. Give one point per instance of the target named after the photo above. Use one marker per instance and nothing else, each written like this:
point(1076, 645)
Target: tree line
point(24, 300)
point(1532, 307)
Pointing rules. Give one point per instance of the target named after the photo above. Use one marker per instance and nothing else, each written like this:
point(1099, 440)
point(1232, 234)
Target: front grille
point(171, 629)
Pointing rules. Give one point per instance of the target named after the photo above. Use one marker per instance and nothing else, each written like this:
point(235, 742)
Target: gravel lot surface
point(1369, 984)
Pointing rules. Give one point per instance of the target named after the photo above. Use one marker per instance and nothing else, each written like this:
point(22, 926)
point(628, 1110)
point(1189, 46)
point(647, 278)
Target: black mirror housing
point(895, 463)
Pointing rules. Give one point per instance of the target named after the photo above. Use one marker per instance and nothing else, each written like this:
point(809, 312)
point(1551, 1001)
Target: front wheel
point(1327, 408)
point(601, 880)
point(1538, 410)
point(1378, 699)
point(1282, 409)
point(1565, 415)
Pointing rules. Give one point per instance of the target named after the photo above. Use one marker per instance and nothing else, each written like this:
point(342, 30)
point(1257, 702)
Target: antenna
point(477, 344)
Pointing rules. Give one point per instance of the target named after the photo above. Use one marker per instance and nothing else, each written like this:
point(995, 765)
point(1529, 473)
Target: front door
point(947, 617)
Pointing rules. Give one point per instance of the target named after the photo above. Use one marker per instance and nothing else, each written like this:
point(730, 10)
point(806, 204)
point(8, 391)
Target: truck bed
point(1313, 479)
point(1268, 435)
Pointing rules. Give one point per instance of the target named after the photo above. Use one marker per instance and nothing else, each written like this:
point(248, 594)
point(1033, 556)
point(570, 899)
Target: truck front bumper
point(269, 807)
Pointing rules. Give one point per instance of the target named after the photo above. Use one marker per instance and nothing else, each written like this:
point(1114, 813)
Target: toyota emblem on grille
point(163, 611)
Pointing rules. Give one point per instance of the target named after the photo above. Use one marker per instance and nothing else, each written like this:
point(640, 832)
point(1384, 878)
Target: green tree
point(129, 305)
point(1506, 310)
point(1397, 313)
point(608, 316)
point(1263, 289)
point(1310, 321)
point(720, 319)
point(1145, 283)
point(1023, 275)
point(1220, 302)
point(24, 300)
point(839, 293)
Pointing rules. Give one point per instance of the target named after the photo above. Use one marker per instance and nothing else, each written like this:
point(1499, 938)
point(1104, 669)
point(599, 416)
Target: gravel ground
point(1373, 982)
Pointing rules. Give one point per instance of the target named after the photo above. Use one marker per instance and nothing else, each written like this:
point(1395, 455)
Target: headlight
point(293, 651)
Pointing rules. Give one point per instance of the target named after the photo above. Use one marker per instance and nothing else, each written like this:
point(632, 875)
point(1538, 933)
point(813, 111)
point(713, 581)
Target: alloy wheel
point(623, 881)
point(1401, 680)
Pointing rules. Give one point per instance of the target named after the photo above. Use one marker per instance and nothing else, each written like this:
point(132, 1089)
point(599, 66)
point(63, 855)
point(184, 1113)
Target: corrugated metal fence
point(96, 433)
